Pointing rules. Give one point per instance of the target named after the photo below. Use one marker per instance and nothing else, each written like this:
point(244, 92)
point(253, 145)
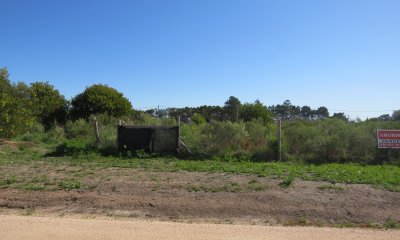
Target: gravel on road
point(42, 228)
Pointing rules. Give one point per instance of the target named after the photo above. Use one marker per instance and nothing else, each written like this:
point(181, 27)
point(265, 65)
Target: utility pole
point(279, 140)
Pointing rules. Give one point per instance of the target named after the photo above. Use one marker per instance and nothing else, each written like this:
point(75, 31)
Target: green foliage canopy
point(256, 110)
point(99, 99)
point(48, 104)
point(198, 118)
point(396, 115)
point(15, 107)
point(341, 116)
point(232, 106)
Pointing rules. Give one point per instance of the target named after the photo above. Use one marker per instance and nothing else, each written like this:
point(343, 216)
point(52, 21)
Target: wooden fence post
point(96, 131)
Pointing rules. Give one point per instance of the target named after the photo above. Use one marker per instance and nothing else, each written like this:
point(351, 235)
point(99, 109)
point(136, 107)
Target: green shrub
point(216, 138)
point(230, 140)
point(198, 118)
point(287, 182)
point(80, 129)
point(37, 134)
point(335, 140)
point(70, 184)
point(74, 147)
point(391, 224)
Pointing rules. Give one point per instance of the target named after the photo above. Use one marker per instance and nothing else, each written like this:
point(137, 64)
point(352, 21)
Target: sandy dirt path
point(27, 227)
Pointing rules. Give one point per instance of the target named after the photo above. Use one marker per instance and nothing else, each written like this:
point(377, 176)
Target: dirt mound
point(221, 198)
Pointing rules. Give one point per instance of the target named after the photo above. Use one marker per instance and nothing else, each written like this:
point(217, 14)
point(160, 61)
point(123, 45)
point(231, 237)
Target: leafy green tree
point(306, 113)
point(385, 117)
point(341, 116)
point(396, 115)
point(322, 113)
point(232, 106)
point(256, 110)
point(48, 104)
point(198, 118)
point(98, 99)
point(15, 107)
point(283, 111)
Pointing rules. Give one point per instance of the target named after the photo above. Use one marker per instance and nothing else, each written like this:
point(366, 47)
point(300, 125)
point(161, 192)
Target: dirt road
point(27, 227)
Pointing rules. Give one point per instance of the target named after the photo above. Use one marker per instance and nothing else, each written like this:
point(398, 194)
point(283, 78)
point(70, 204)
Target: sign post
point(388, 139)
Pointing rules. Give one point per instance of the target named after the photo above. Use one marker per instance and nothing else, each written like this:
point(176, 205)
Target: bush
point(37, 134)
point(335, 140)
point(198, 118)
point(80, 129)
point(216, 138)
point(227, 139)
point(74, 147)
point(70, 184)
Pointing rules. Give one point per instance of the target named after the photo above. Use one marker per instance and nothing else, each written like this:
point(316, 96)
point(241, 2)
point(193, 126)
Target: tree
point(231, 107)
point(48, 104)
point(256, 110)
point(341, 116)
point(282, 111)
point(306, 113)
point(98, 99)
point(385, 117)
point(396, 115)
point(211, 112)
point(15, 107)
point(322, 113)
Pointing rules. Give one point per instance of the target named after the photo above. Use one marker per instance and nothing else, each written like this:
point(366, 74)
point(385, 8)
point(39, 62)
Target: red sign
point(388, 138)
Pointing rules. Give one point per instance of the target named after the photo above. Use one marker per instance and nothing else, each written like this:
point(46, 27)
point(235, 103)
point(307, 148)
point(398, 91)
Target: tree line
point(21, 105)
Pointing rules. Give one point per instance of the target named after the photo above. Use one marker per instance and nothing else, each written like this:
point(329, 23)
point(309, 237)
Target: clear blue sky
point(344, 55)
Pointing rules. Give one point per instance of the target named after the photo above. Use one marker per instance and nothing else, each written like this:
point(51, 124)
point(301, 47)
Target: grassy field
point(386, 176)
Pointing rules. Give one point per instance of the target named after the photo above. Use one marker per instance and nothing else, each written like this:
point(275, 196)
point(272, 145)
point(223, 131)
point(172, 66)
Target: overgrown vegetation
point(235, 132)
point(322, 141)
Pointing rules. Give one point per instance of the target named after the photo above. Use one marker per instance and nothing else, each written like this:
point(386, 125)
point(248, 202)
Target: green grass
point(5, 183)
point(386, 176)
point(391, 224)
point(70, 184)
point(256, 186)
point(287, 182)
point(33, 186)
